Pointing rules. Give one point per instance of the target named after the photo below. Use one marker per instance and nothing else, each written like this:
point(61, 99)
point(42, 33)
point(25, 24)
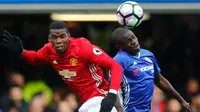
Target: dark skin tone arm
point(126, 40)
point(118, 105)
point(166, 87)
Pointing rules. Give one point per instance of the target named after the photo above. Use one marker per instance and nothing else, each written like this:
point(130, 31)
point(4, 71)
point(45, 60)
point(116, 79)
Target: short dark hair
point(117, 34)
point(58, 25)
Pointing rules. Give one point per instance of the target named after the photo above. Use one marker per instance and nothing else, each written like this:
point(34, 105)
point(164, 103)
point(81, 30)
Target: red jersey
point(79, 67)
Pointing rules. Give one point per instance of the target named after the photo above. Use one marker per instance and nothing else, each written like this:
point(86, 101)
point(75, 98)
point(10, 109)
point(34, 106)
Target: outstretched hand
point(108, 102)
point(13, 43)
point(186, 107)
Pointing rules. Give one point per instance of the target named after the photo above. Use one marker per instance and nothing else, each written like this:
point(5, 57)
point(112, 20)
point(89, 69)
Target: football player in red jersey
point(77, 61)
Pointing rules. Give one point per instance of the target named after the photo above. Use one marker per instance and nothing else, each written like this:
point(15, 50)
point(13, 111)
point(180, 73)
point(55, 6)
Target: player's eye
point(129, 40)
point(63, 36)
point(53, 37)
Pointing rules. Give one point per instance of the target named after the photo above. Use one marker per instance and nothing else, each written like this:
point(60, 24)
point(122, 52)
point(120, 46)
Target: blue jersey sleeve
point(119, 60)
point(157, 69)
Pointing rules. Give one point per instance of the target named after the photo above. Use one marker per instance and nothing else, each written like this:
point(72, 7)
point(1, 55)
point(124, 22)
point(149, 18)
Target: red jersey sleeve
point(35, 58)
point(94, 54)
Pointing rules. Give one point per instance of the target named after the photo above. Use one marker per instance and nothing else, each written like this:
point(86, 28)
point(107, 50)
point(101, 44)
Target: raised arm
point(166, 87)
point(98, 56)
point(118, 104)
point(35, 58)
point(94, 54)
point(14, 44)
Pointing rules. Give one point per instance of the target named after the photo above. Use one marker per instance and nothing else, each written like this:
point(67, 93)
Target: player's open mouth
point(59, 47)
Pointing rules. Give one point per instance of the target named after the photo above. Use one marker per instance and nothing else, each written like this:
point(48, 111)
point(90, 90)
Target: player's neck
point(136, 54)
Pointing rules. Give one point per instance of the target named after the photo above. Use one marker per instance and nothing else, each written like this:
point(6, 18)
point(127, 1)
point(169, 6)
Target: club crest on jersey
point(97, 51)
point(73, 61)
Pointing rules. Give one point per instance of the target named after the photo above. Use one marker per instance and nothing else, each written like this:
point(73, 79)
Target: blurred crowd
point(35, 96)
point(173, 38)
point(162, 103)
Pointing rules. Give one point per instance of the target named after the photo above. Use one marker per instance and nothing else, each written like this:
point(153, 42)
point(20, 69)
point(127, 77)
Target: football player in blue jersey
point(140, 73)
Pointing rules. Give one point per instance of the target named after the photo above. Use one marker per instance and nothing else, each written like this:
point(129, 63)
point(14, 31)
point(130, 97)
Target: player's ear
point(118, 47)
point(68, 34)
point(49, 39)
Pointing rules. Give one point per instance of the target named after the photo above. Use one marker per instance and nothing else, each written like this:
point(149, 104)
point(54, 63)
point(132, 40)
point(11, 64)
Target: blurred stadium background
point(171, 30)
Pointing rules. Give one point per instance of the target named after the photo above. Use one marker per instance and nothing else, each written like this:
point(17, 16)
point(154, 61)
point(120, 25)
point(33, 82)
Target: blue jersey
point(138, 79)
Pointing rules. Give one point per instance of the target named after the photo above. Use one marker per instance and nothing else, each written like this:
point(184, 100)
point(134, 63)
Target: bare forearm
point(118, 105)
point(165, 86)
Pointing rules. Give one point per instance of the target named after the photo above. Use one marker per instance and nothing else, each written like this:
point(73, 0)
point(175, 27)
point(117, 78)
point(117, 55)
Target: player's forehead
point(128, 34)
point(57, 31)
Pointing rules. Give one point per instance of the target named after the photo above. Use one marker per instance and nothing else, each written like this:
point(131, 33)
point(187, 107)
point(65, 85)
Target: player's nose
point(59, 40)
point(134, 42)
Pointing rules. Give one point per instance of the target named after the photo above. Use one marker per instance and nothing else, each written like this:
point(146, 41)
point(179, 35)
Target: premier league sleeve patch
point(97, 51)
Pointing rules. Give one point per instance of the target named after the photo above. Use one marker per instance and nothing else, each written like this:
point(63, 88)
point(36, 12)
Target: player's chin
point(136, 50)
point(60, 51)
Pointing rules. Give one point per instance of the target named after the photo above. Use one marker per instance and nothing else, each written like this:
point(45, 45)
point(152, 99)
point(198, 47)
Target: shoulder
point(77, 43)
point(80, 40)
point(145, 52)
point(121, 57)
point(47, 48)
point(80, 47)
point(86, 45)
point(148, 55)
point(83, 39)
